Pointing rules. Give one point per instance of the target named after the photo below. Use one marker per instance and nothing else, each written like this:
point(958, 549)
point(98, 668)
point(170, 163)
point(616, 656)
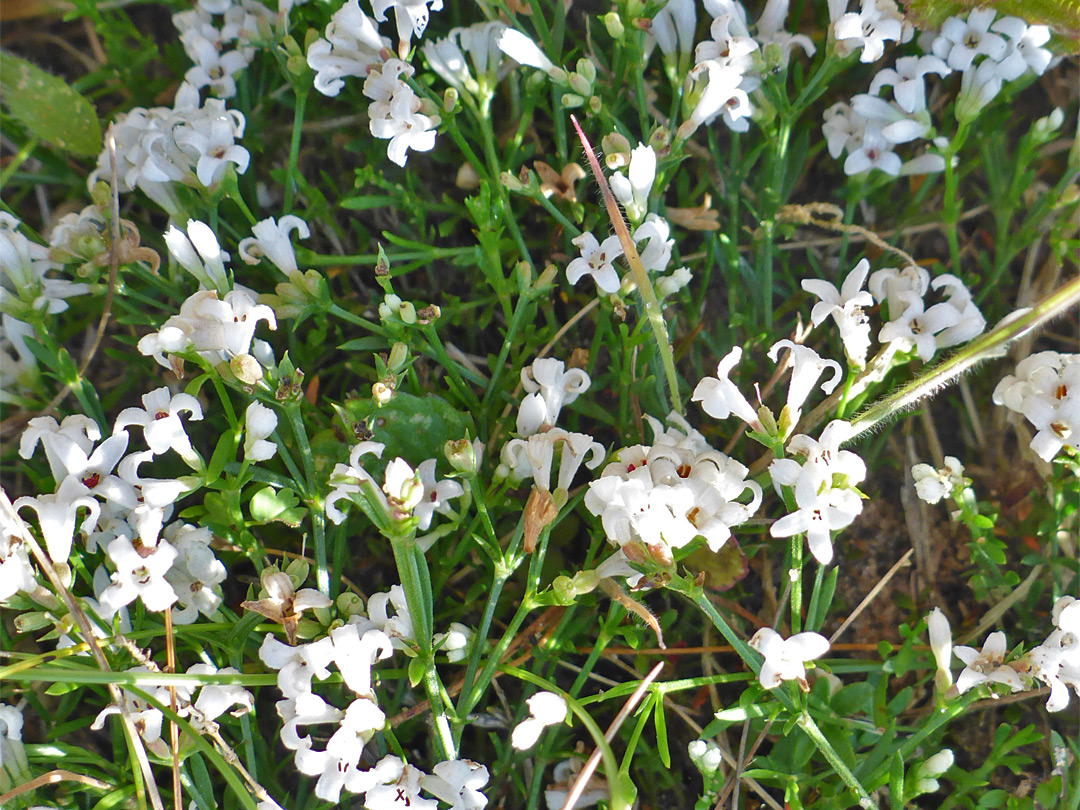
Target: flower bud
point(462, 455)
point(580, 85)
point(571, 100)
point(510, 182)
point(399, 355)
point(450, 99)
point(616, 150)
point(381, 393)
point(246, 369)
point(586, 69)
point(614, 26)
point(349, 604)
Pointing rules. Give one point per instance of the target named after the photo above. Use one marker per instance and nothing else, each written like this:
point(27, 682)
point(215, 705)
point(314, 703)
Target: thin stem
point(294, 148)
point(810, 728)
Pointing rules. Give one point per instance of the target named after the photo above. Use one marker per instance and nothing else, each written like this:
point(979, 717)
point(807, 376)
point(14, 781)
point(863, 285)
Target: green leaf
point(223, 453)
point(48, 108)
point(414, 428)
point(1063, 16)
point(661, 730)
point(268, 505)
point(896, 782)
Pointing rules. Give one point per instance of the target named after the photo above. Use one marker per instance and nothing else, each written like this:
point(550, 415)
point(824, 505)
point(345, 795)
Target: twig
point(903, 561)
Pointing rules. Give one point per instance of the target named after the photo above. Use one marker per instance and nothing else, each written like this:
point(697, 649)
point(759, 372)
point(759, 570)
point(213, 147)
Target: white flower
point(348, 479)
point(960, 41)
point(978, 88)
point(705, 755)
point(57, 513)
point(545, 709)
point(633, 192)
point(526, 52)
point(785, 658)
point(435, 496)
point(807, 366)
point(455, 642)
point(932, 485)
point(534, 457)
point(843, 129)
point(550, 386)
point(398, 787)
point(447, 56)
point(215, 698)
point(195, 574)
point(720, 398)
point(937, 625)
point(869, 30)
point(822, 509)
point(657, 253)
point(259, 423)
point(917, 327)
point(1025, 51)
point(874, 152)
point(297, 665)
point(405, 127)
point(986, 666)
point(140, 574)
point(725, 93)
point(971, 322)
point(217, 329)
point(271, 242)
point(596, 261)
point(411, 17)
point(155, 492)
point(159, 417)
point(776, 42)
point(846, 309)
point(458, 783)
point(897, 287)
point(352, 45)
point(907, 80)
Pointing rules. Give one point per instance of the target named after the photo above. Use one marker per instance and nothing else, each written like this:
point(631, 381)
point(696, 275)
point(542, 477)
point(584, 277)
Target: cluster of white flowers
point(1055, 662)
point(478, 45)
point(913, 325)
point(352, 46)
point(405, 493)
point(1046, 390)
point(824, 486)
point(101, 492)
point(931, 485)
point(395, 112)
point(653, 499)
point(242, 24)
point(26, 294)
point(985, 50)
point(188, 144)
point(632, 191)
point(219, 328)
point(213, 701)
point(354, 648)
point(550, 386)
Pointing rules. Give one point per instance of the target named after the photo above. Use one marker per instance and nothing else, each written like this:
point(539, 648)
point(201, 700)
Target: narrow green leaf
point(661, 730)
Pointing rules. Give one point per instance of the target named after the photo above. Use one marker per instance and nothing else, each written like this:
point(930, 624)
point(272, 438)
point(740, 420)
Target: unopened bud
point(595, 104)
point(399, 355)
point(572, 100)
point(461, 453)
point(449, 99)
point(540, 511)
point(616, 150)
point(349, 604)
point(586, 69)
point(381, 393)
point(246, 369)
point(580, 85)
point(614, 26)
point(510, 182)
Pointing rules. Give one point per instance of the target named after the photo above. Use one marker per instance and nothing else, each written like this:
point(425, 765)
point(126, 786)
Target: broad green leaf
point(48, 108)
point(281, 505)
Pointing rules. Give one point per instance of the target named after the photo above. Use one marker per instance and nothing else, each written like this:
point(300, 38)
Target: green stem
point(294, 148)
point(950, 213)
point(988, 345)
point(810, 728)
